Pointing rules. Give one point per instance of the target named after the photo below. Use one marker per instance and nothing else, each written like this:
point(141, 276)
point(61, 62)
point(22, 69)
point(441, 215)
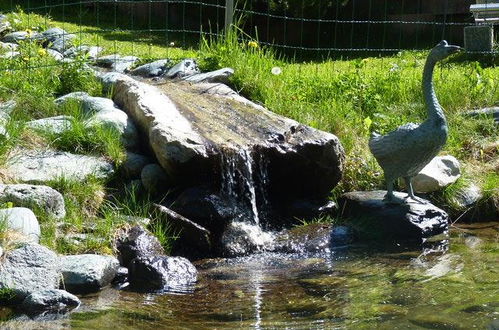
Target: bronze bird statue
point(404, 152)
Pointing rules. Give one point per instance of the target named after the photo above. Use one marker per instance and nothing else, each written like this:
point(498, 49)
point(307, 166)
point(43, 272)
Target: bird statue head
point(443, 50)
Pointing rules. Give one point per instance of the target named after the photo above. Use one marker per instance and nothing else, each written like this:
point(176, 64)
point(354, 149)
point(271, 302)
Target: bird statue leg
point(410, 191)
point(390, 198)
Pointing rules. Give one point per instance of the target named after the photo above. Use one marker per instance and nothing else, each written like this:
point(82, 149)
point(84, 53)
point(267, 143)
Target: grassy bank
point(349, 98)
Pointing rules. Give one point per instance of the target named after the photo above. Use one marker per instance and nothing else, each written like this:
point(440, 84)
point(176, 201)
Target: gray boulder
point(116, 62)
point(41, 166)
point(104, 113)
point(136, 242)
point(374, 218)
point(92, 52)
point(162, 273)
point(37, 197)
point(6, 108)
point(153, 69)
point(17, 36)
point(10, 54)
point(187, 67)
point(22, 220)
point(28, 269)
point(88, 272)
point(221, 75)
point(467, 196)
point(4, 24)
point(134, 163)
point(51, 125)
point(154, 178)
point(199, 132)
point(57, 39)
point(55, 54)
point(439, 173)
point(8, 46)
point(53, 300)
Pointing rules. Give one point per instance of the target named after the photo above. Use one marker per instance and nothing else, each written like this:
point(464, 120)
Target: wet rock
point(161, 273)
point(136, 242)
point(42, 166)
point(134, 163)
point(439, 173)
point(116, 62)
point(185, 68)
point(88, 272)
point(22, 220)
point(121, 276)
point(91, 52)
point(373, 218)
point(154, 178)
point(241, 238)
point(205, 207)
point(153, 69)
point(310, 209)
point(221, 75)
point(43, 198)
point(29, 268)
point(51, 125)
point(311, 238)
point(199, 238)
point(52, 300)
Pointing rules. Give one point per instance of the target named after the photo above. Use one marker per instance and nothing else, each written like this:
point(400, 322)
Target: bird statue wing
point(392, 143)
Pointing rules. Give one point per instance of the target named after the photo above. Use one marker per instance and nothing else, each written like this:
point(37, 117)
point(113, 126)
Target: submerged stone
point(53, 300)
point(375, 218)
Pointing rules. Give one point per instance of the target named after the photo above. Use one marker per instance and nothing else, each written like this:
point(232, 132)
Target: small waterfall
point(239, 180)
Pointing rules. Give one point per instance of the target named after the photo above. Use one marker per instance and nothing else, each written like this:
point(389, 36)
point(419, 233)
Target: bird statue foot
point(392, 199)
point(416, 199)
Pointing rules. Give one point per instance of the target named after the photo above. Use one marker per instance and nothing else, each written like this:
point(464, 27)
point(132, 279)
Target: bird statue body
point(404, 152)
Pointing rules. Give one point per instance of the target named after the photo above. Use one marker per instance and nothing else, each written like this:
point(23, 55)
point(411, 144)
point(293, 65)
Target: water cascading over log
point(224, 150)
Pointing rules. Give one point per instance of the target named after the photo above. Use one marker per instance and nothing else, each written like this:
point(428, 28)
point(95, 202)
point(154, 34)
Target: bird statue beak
point(455, 49)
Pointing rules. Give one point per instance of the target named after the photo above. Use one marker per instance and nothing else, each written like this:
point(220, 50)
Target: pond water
point(358, 287)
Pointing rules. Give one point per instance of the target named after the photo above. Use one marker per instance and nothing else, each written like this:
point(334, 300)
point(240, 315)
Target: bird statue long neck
point(435, 111)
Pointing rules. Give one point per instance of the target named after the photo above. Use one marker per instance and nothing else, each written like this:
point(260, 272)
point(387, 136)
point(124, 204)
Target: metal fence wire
point(298, 28)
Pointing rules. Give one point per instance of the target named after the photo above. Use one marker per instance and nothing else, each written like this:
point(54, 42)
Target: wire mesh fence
point(299, 28)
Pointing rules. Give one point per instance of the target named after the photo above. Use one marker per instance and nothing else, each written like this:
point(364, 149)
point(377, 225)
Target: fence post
point(229, 14)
